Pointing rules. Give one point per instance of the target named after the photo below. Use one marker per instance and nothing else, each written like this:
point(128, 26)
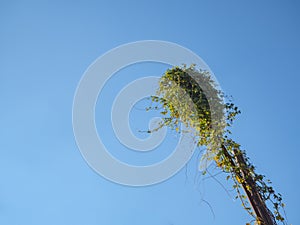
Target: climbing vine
point(189, 96)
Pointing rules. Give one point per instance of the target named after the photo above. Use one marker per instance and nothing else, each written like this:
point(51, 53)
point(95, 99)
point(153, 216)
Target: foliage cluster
point(189, 96)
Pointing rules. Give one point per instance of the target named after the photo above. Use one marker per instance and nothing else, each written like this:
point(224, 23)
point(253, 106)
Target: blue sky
point(252, 48)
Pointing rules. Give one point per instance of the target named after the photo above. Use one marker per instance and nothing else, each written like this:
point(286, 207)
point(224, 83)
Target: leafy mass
point(189, 96)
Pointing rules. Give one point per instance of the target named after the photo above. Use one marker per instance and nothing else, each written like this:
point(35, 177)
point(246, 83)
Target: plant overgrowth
point(189, 96)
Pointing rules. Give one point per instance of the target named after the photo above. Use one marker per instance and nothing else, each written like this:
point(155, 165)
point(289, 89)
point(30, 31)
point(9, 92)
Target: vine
point(189, 96)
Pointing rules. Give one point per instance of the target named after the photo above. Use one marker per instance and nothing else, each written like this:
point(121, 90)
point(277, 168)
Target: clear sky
point(253, 49)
